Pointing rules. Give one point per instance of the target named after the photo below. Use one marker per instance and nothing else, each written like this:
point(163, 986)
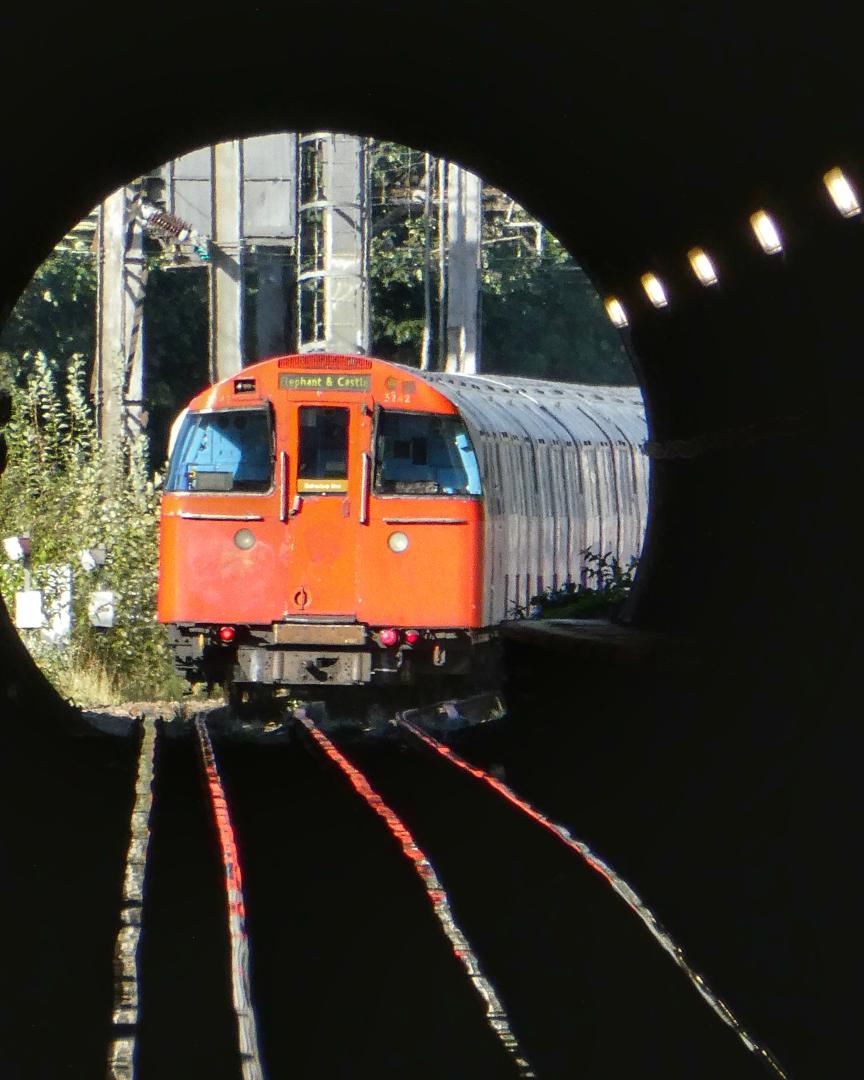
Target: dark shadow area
point(187, 1026)
point(706, 799)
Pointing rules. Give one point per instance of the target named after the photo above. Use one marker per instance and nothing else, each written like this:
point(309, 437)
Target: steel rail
point(247, 1028)
point(124, 1015)
point(630, 898)
point(496, 1015)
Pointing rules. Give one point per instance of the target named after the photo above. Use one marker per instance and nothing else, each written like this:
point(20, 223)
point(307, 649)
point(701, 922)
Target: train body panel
point(563, 470)
point(315, 502)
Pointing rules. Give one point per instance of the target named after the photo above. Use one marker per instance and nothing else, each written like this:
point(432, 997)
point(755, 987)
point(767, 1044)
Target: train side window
point(229, 450)
point(424, 454)
point(322, 456)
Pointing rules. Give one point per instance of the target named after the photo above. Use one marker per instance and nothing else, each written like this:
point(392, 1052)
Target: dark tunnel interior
point(634, 136)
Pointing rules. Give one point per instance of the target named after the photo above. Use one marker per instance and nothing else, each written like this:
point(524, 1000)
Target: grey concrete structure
point(240, 197)
point(227, 261)
point(121, 287)
point(333, 249)
point(244, 199)
point(464, 222)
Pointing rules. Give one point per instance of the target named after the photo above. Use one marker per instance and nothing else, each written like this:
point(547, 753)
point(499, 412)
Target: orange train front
point(333, 521)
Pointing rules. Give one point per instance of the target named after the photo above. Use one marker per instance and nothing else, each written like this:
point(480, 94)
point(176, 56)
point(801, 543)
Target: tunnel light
point(766, 232)
point(841, 191)
point(702, 266)
point(654, 290)
point(615, 311)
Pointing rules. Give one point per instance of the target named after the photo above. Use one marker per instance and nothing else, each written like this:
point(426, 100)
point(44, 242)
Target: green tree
point(543, 317)
point(54, 316)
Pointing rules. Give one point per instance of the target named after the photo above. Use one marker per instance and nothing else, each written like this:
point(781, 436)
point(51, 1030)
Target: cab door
point(324, 467)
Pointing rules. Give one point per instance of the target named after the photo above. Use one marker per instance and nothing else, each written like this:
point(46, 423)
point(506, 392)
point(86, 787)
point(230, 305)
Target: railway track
point(339, 958)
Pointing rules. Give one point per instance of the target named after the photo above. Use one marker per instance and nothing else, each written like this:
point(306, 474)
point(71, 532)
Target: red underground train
point(332, 522)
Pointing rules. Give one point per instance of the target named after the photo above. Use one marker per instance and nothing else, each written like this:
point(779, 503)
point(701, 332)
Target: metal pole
point(427, 264)
point(442, 262)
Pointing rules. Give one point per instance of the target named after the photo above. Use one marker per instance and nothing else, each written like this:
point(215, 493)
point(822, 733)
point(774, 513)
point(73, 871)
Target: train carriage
point(338, 521)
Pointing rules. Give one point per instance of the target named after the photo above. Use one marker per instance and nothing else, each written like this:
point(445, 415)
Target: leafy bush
point(61, 490)
point(604, 587)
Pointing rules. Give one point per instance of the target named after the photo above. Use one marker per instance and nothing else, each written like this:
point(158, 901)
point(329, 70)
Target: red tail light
point(388, 638)
point(412, 637)
point(226, 633)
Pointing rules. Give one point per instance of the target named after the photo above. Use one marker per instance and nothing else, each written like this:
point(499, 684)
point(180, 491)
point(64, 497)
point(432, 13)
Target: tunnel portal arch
point(655, 134)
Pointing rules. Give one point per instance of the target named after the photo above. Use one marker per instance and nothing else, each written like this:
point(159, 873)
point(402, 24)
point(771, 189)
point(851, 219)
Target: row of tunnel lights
point(842, 193)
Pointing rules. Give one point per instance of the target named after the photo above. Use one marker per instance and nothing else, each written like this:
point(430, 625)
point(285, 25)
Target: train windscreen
point(322, 454)
point(228, 450)
point(424, 454)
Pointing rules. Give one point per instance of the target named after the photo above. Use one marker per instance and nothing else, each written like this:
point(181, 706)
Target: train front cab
point(322, 527)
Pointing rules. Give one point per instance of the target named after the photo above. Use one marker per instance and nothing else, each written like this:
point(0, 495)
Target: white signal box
point(100, 610)
point(28, 609)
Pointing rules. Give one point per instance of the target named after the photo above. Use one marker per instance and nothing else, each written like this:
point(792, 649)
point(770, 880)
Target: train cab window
point(228, 450)
point(322, 455)
point(424, 454)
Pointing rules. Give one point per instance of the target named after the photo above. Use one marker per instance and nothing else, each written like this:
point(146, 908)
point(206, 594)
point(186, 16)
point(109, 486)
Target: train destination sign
point(338, 380)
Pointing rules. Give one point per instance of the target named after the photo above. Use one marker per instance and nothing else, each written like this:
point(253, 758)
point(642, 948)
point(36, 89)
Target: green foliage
point(543, 317)
point(54, 315)
point(396, 250)
point(604, 587)
point(59, 490)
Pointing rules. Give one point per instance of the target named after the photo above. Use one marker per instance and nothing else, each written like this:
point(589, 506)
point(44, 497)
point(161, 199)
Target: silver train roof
point(542, 410)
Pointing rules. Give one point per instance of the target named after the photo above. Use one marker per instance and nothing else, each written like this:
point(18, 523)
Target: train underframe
point(345, 666)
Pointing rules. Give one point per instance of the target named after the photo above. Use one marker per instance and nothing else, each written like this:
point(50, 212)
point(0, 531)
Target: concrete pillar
point(226, 263)
point(122, 282)
point(464, 218)
point(340, 277)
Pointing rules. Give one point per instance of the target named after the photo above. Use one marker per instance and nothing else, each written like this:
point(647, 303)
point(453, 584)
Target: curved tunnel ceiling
point(633, 136)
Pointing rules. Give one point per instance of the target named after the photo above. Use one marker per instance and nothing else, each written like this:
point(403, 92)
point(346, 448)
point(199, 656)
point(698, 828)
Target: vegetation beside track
point(60, 490)
point(601, 593)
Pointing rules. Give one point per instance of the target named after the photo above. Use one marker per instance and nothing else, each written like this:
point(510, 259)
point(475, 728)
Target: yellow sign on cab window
point(311, 484)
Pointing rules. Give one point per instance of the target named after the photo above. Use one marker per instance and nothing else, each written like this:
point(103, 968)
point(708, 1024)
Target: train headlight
point(244, 539)
point(397, 541)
